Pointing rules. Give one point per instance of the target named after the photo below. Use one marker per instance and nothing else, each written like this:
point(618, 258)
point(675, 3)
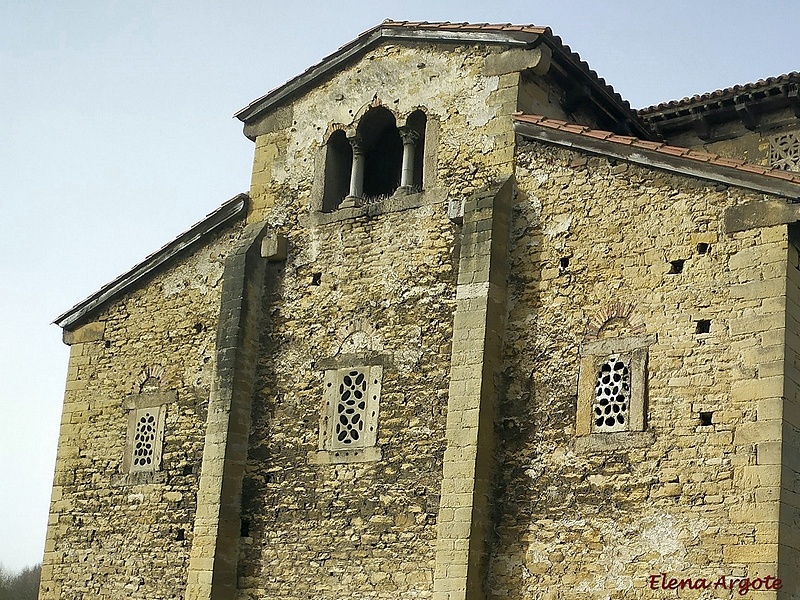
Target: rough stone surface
point(592, 522)
point(111, 535)
point(482, 482)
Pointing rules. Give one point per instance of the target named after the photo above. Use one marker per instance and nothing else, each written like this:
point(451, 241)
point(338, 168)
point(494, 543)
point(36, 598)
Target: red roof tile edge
point(769, 82)
point(699, 156)
point(247, 112)
point(464, 26)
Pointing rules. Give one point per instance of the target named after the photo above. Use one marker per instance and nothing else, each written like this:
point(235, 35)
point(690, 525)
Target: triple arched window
point(380, 159)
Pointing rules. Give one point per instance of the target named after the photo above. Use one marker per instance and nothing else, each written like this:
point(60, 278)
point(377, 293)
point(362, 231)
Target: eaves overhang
point(511, 36)
point(368, 40)
point(656, 155)
point(750, 103)
point(231, 211)
point(786, 84)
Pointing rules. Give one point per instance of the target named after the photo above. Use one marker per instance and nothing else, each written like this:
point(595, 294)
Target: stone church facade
point(477, 331)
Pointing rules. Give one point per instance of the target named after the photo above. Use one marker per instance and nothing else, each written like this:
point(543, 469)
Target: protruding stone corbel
point(455, 210)
point(536, 60)
point(273, 246)
point(701, 126)
point(745, 113)
point(793, 93)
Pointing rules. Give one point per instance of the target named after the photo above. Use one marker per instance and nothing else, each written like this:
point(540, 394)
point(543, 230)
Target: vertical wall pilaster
point(215, 547)
point(76, 405)
point(764, 326)
point(465, 509)
point(789, 454)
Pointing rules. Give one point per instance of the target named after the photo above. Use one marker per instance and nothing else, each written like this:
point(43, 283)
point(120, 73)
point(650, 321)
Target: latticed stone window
point(612, 397)
point(784, 151)
point(612, 385)
point(147, 435)
point(350, 412)
point(145, 439)
point(147, 409)
point(349, 424)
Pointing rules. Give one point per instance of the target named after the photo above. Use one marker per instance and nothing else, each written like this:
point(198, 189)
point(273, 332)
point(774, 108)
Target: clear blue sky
point(116, 135)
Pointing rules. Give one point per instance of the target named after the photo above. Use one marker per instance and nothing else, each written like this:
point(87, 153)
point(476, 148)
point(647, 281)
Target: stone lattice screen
point(784, 151)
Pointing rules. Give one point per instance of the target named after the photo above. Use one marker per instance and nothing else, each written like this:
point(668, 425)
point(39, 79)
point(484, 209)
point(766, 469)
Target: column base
point(352, 202)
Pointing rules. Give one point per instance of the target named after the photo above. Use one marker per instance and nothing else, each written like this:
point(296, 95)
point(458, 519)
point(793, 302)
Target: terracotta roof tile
point(747, 88)
point(673, 150)
point(753, 168)
point(783, 174)
point(729, 162)
point(624, 139)
point(462, 26)
point(574, 128)
point(619, 107)
point(642, 144)
point(604, 135)
point(705, 157)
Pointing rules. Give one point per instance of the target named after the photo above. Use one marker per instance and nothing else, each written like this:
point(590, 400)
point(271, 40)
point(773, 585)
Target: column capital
point(408, 135)
point(357, 144)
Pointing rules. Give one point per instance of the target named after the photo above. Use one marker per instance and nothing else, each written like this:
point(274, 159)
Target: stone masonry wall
point(114, 535)
point(380, 289)
point(695, 496)
point(377, 284)
point(468, 106)
point(789, 551)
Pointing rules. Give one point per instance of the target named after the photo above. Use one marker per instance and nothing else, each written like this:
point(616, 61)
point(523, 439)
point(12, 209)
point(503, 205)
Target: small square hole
point(705, 418)
point(316, 279)
point(703, 326)
point(563, 264)
point(703, 248)
point(676, 266)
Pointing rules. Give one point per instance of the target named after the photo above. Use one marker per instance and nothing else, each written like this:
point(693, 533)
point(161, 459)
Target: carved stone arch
point(338, 161)
point(614, 318)
point(149, 379)
point(376, 102)
point(360, 337)
point(402, 118)
point(381, 146)
point(414, 132)
point(333, 128)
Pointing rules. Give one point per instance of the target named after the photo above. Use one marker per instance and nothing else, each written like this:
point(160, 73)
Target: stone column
point(353, 199)
point(410, 139)
point(464, 523)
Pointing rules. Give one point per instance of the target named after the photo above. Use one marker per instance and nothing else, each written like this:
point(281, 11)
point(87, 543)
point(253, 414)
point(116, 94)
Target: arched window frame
point(338, 167)
point(378, 141)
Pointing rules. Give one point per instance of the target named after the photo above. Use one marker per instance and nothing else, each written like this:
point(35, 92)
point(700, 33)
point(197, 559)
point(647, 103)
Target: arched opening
point(416, 122)
point(338, 163)
point(383, 152)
